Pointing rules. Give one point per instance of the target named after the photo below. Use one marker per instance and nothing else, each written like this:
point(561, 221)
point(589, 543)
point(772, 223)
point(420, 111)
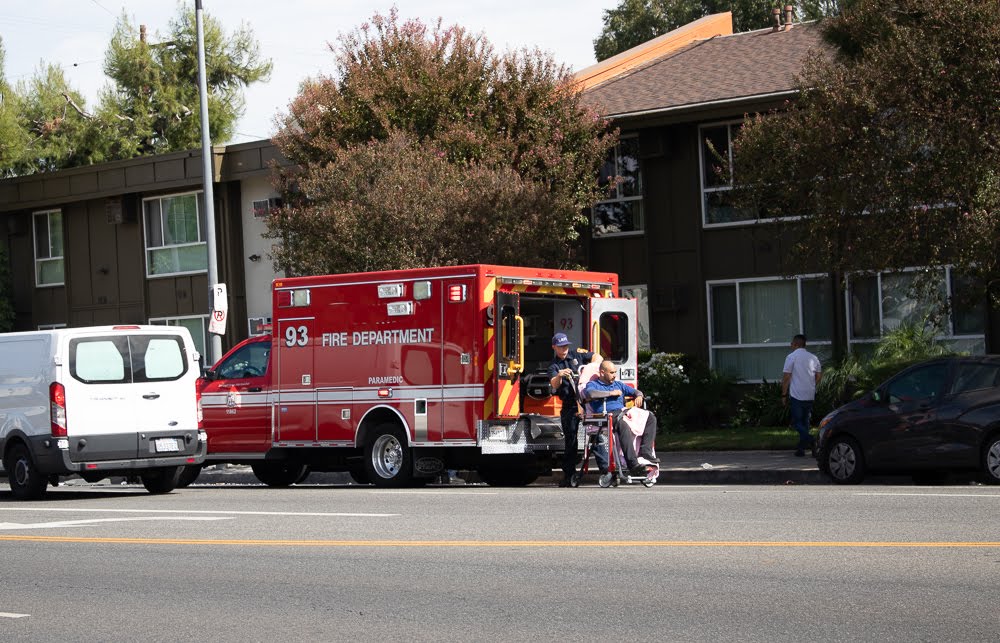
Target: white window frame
point(950, 336)
point(640, 225)
point(145, 233)
point(51, 258)
point(739, 324)
point(173, 321)
point(706, 190)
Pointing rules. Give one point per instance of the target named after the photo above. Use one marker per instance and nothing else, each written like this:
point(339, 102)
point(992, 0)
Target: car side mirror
point(209, 374)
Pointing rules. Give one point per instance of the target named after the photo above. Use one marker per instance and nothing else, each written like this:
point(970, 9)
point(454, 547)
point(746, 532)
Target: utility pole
point(215, 339)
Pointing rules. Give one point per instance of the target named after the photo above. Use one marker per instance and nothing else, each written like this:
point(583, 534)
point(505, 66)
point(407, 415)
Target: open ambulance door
point(614, 334)
point(509, 352)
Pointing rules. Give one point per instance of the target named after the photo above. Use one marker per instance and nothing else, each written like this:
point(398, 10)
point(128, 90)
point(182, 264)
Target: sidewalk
point(677, 467)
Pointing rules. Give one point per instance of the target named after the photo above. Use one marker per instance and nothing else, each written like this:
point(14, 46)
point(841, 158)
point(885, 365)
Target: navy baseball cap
point(560, 339)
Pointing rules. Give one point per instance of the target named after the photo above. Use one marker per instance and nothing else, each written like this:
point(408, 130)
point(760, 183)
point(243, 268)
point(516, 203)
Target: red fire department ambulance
point(397, 376)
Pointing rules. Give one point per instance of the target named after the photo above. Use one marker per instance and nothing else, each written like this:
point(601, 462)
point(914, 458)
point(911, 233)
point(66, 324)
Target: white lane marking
point(931, 495)
point(199, 511)
point(6, 526)
point(12, 615)
point(410, 492)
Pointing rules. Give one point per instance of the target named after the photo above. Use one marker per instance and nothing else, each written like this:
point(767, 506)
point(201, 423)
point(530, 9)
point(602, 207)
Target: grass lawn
point(745, 439)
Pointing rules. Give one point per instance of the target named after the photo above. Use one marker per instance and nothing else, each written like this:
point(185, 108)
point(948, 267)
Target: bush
point(685, 394)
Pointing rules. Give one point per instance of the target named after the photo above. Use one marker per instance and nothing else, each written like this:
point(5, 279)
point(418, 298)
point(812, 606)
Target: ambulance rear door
point(613, 334)
point(509, 354)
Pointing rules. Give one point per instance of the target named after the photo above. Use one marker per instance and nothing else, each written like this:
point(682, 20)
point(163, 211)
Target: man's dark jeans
point(801, 411)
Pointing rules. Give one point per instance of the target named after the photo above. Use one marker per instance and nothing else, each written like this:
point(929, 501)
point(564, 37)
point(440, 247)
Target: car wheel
point(279, 474)
point(388, 459)
point(991, 460)
point(158, 481)
point(844, 462)
point(189, 474)
point(26, 482)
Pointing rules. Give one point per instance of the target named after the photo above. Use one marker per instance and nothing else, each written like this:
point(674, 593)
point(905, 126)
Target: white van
point(98, 402)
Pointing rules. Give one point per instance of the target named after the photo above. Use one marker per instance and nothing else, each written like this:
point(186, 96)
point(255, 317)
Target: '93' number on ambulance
point(296, 336)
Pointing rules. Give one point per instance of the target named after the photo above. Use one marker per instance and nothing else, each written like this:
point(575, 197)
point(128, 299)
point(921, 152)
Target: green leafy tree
point(634, 22)
point(13, 136)
point(151, 106)
point(427, 148)
point(155, 94)
point(892, 149)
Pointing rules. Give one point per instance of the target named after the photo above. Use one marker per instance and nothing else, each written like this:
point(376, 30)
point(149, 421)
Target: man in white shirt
point(801, 374)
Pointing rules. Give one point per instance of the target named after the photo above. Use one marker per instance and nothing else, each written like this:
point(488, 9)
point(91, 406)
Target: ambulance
point(398, 376)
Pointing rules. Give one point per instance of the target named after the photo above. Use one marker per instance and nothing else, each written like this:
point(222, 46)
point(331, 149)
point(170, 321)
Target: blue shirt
point(610, 404)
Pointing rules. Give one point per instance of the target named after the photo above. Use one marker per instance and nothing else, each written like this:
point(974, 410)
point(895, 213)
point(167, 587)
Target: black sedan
point(937, 416)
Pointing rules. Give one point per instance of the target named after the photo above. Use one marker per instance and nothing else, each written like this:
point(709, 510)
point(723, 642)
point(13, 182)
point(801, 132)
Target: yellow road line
point(507, 543)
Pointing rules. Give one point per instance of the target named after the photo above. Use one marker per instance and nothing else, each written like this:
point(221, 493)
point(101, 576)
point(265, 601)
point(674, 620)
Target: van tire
point(163, 480)
point(26, 482)
point(388, 457)
point(189, 474)
point(279, 473)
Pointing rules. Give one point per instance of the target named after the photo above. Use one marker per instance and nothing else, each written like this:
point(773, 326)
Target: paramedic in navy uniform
point(565, 364)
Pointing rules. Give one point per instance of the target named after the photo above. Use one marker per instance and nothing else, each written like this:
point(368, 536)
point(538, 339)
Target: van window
point(99, 360)
point(129, 358)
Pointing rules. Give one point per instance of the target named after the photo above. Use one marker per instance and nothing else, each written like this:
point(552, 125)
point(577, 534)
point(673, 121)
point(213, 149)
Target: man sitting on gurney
point(607, 395)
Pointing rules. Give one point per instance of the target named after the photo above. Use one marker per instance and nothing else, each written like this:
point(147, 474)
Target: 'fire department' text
point(373, 337)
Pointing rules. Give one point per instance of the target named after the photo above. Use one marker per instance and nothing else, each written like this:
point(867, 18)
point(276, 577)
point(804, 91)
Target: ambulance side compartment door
point(295, 391)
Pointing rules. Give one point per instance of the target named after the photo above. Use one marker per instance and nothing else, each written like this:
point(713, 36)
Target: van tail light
point(200, 412)
point(57, 409)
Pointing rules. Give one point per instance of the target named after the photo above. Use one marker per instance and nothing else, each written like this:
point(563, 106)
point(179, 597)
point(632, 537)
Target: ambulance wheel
point(279, 474)
point(359, 476)
point(188, 475)
point(26, 482)
point(163, 480)
point(388, 460)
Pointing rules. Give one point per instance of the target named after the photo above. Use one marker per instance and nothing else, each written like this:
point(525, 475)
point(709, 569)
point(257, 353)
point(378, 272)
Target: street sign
point(220, 310)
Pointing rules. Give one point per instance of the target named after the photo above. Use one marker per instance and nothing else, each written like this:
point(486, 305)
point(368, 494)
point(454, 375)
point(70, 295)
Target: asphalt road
point(673, 563)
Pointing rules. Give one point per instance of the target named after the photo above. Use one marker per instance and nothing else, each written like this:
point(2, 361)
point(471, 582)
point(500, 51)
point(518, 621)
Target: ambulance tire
point(26, 482)
point(189, 474)
point(388, 459)
point(163, 480)
point(279, 474)
point(359, 476)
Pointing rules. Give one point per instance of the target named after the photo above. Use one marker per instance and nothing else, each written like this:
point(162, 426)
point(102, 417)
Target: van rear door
point(130, 395)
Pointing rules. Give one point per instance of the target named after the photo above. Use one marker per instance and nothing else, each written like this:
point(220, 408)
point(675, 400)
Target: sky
point(293, 33)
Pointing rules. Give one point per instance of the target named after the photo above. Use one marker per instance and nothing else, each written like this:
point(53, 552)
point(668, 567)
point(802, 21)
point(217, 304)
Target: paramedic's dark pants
point(626, 439)
point(570, 426)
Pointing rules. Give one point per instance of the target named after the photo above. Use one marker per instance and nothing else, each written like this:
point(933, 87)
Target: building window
point(175, 235)
point(621, 178)
point(879, 303)
point(752, 322)
point(197, 325)
point(716, 154)
point(48, 248)
point(264, 207)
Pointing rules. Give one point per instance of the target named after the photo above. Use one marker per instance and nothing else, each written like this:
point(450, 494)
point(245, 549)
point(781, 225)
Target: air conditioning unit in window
point(121, 209)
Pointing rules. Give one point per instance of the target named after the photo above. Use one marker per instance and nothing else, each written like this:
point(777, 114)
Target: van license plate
point(166, 445)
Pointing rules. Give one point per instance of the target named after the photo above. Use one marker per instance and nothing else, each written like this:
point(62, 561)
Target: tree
point(151, 107)
point(13, 136)
point(429, 149)
point(634, 22)
point(892, 149)
point(155, 96)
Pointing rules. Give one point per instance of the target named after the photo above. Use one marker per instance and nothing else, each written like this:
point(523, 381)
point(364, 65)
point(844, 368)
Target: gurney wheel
point(648, 482)
point(605, 480)
point(574, 480)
